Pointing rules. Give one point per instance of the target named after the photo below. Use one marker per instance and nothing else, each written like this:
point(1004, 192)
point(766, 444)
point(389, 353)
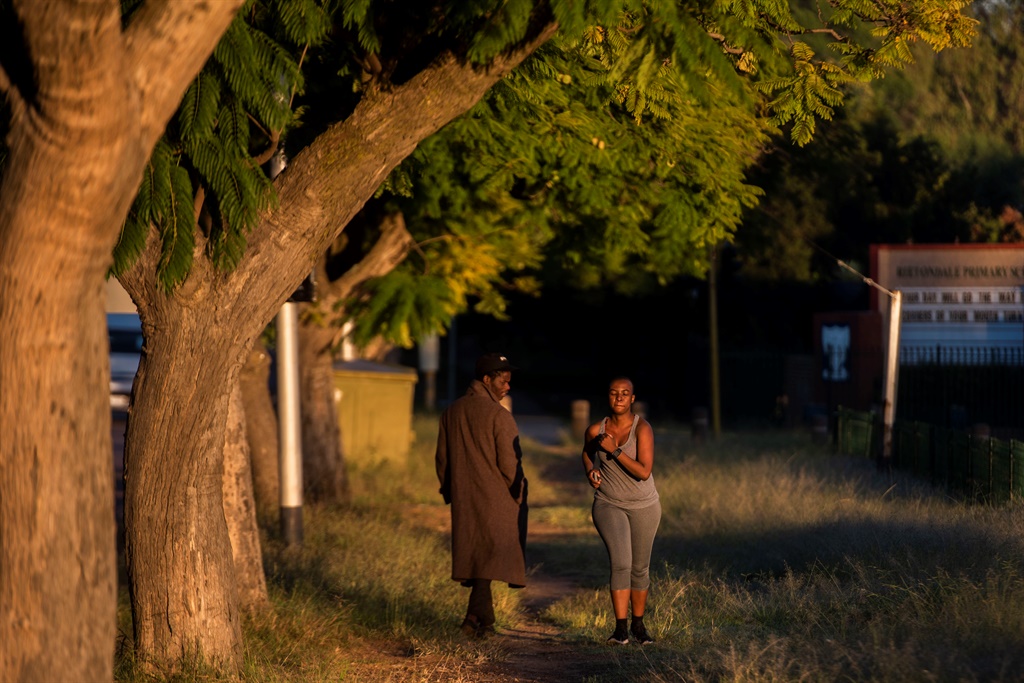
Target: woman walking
point(618, 458)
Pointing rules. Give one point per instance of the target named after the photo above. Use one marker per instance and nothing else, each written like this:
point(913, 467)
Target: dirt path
point(535, 649)
point(532, 650)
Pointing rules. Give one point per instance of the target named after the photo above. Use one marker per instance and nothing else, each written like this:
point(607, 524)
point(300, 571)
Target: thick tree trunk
point(86, 105)
point(58, 579)
point(184, 598)
point(261, 433)
point(240, 511)
point(180, 564)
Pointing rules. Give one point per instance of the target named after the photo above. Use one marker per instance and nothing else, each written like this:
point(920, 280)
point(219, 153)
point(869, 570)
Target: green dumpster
point(375, 402)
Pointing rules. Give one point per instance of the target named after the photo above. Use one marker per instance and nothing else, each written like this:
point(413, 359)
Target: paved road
point(545, 429)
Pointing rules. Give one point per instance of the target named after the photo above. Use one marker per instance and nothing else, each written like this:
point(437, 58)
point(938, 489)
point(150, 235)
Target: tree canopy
point(617, 153)
point(932, 153)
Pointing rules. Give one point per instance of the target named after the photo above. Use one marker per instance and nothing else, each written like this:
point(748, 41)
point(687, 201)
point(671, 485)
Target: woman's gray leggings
point(629, 537)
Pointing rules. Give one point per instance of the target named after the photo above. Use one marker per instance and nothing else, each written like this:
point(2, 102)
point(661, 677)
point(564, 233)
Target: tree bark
point(86, 109)
point(240, 511)
point(183, 594)
point(261, 433)
point(323, 453)
point(179, 555)
point(324, 479)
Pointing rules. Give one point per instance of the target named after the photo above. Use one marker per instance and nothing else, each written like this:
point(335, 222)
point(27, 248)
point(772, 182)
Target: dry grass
point(775, 561)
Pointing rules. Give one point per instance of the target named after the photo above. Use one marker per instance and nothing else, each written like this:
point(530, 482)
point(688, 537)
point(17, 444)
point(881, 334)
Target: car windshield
point(125, 341)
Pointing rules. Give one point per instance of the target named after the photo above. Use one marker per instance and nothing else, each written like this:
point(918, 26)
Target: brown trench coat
point(479, 465)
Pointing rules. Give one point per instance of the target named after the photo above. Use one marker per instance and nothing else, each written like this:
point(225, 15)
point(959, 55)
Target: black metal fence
point(975, 465)
point(960, 387)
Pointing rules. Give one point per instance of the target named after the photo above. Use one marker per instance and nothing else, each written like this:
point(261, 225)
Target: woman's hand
point(594, 477)
point(605, 442)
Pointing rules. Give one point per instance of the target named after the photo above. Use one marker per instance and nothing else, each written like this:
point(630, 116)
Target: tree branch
point(390, 249)
point(328, 182)
point(7, 88)
point(167, 43)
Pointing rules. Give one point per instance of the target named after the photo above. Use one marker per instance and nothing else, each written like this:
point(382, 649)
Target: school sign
point(955, 296)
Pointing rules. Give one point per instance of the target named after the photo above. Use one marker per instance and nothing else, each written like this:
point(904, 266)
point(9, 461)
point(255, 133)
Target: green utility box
point(375, 402)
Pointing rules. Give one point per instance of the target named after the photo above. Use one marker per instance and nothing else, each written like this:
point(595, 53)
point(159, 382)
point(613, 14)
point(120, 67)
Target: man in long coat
point(480, 469)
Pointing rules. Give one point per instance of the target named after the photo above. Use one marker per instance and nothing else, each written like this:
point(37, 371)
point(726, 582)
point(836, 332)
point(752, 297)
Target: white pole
point(892, 361)
point(892, 367)
point(289, 424)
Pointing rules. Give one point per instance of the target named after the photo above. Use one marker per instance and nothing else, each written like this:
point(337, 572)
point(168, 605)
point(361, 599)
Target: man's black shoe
point(471, 628)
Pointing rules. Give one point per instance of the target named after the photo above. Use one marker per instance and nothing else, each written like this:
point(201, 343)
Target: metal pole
point(716, 401)
point(453, 360)
point(289, 425)
point(892, 366)
point(430, 361)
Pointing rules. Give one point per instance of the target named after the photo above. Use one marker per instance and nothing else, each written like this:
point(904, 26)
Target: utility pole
point(892, 362)
point(716, 400)
point(289, 425)
point(430, 357)
point(892, 365)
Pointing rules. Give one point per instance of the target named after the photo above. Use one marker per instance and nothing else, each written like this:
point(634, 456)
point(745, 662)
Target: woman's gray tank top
point(618, 486)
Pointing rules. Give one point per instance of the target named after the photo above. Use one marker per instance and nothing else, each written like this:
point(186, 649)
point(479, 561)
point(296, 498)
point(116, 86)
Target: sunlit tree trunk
point(261, 432)
point(57, 531)
point(87, 101)
point(240, 510)
point(179, 555)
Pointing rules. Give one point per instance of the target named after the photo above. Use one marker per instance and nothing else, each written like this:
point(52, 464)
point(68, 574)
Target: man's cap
point(492, 362)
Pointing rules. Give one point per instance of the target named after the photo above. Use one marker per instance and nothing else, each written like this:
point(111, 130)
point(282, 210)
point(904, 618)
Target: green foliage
point(572, 171)
point(931, 153)
point(399, 309)
point(233, 111)
point(623, 150)
point(617, 153)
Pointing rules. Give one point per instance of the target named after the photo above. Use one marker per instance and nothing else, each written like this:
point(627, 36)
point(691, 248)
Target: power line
point(842, 264)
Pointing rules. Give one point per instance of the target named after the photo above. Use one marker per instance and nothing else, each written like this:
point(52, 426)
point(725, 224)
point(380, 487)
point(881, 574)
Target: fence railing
point(957, 387)
point(980, 467)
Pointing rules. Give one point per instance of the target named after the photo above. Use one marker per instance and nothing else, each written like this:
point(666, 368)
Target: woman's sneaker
point(640, 634)
point(620, 637)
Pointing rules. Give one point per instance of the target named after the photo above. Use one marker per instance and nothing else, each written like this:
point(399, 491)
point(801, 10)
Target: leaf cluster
point(571, 166)
point(205, 180)
point(621, 151)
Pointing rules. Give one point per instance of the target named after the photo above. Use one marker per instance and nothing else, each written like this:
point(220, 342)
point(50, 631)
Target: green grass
point(775, 561)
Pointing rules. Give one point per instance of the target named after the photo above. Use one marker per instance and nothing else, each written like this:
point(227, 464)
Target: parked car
point(125, 331)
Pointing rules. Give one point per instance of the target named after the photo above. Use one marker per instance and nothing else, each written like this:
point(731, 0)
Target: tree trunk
point(180, 564)
point(261, 433)
point(323, 450)
point(324, 479)
point(58, 580)
point(184, 598)
point(240, 511)
point(86, 103)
